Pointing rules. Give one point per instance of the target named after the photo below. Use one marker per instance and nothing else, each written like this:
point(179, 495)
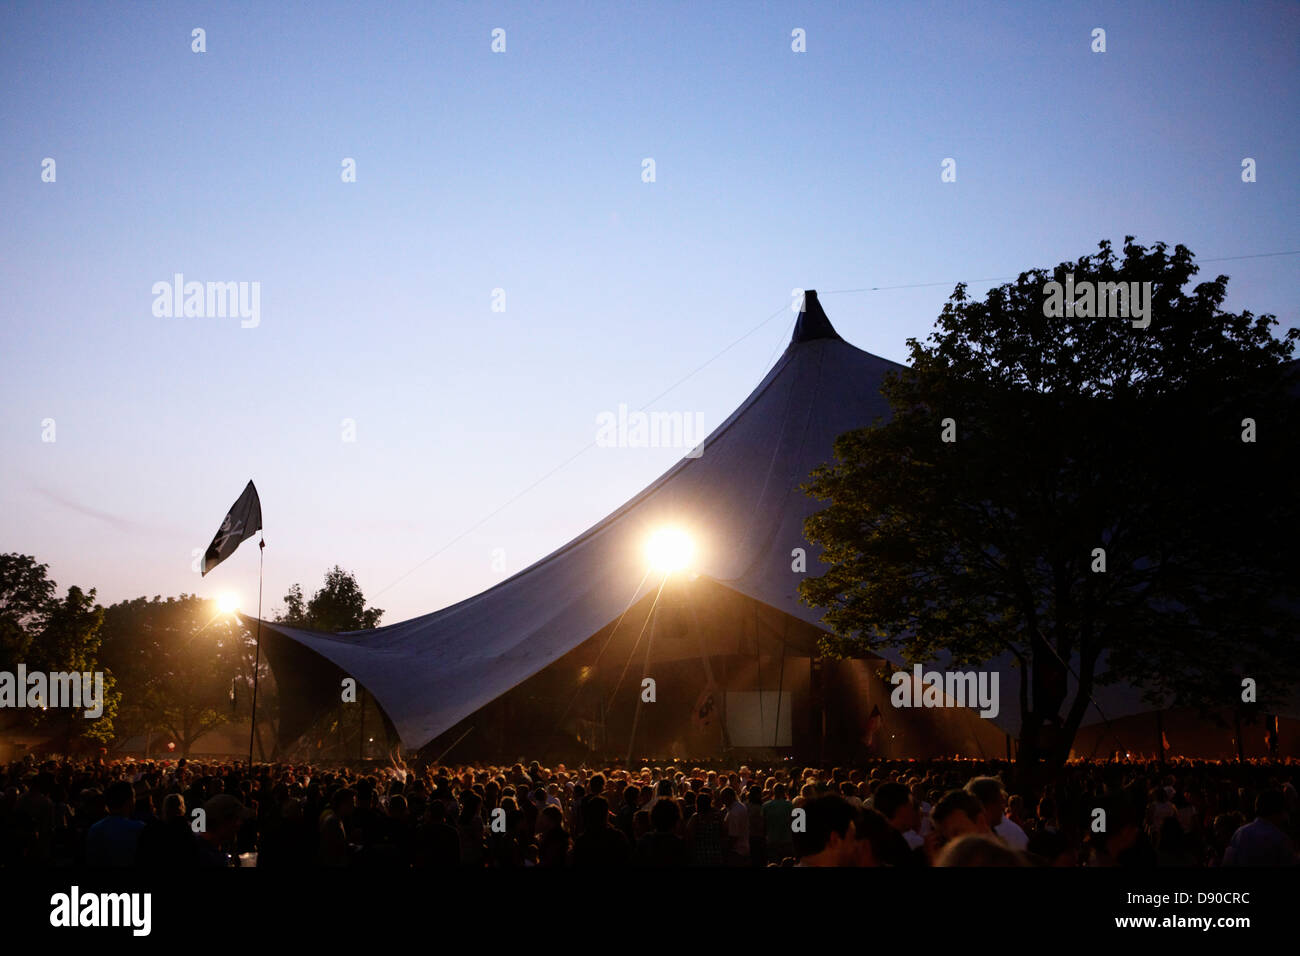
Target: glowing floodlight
point(227, 604)
point(669, 550)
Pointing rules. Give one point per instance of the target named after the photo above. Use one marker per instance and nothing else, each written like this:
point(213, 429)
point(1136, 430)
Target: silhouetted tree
point(339, 605)
point(52, 635)
point(1074, 434)
point(175, 660)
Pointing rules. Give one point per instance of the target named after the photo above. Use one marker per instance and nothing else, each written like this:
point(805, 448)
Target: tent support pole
point(257, 640)
point(758, 668)
point(780, 683)
point(708, 676)
point(640, 691)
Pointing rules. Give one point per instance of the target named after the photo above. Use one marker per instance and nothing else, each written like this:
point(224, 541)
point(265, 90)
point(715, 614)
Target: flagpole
point(257, 663)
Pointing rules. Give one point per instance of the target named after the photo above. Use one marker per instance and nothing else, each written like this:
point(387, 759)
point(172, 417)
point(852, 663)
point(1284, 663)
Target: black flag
point(242, 521)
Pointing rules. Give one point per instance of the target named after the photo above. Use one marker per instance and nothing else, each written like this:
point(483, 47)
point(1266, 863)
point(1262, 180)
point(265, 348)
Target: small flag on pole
point(242, 522)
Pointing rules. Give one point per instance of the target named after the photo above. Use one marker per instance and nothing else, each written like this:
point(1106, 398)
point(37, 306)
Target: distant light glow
point(669, 550)
point(227, 603)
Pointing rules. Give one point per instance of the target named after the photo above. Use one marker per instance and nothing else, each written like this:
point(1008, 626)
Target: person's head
point(1270, 805)
point(877, 842)
point(894, 802)
point(976, 849)
point(1225, 825)
point(343, 802)
point(174, 807)
point(778, 791)
point(959, 813)
point(550, 818)
point(1121, 828)
point(830, 833)
point(223, 815)
point(727, 797)
point(664, 816)
point(397, 806)
point(703, 801)
point(595, 812)
point(119, 798)
point(989, 792)
point(1047, 809)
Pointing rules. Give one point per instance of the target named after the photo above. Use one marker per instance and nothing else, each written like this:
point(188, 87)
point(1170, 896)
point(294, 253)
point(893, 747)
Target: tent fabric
point(740, 501)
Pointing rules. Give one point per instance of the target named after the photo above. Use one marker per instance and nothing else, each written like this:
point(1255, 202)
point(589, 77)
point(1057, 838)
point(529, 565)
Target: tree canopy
point(1092, 498)
point(177, 661)
point(174, 668)
point(338, 605)
point(52, 634)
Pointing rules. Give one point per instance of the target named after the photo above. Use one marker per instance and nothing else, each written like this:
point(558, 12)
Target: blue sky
point(522, 171)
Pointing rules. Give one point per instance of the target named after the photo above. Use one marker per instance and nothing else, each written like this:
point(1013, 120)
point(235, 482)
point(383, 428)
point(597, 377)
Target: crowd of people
point(181, 813)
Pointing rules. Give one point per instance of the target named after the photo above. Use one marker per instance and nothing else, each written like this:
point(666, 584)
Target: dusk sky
point(523, 171)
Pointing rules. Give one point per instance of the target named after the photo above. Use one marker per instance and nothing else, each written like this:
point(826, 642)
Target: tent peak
point(813, 323)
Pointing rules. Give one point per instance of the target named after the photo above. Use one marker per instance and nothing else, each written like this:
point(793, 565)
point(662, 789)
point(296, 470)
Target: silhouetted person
point(1263, 842)
point(437, 843)
point(113, 840)
point(600, 843)
point(662, 846)
point(830, 835)
point(169, 843)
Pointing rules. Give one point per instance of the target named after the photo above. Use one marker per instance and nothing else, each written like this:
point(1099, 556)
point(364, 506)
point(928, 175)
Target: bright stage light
point(227, 603)
point(669, 549)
